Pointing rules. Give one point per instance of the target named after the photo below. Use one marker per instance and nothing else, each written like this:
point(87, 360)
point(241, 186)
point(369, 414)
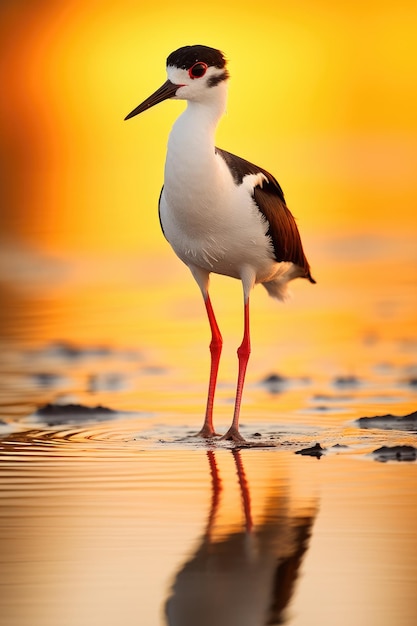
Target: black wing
point(269, 197)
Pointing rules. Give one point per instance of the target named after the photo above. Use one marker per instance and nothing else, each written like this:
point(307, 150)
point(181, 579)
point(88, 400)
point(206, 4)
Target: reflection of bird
point(245, 578)
point(219, 212)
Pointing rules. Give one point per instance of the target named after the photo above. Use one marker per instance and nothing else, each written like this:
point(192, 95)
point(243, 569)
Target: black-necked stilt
point(219, 212)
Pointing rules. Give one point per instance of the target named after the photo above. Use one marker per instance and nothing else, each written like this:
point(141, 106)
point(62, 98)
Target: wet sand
point(112, 512)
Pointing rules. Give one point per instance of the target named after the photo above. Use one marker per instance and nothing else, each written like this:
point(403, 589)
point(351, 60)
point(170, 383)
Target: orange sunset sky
point(322, 94)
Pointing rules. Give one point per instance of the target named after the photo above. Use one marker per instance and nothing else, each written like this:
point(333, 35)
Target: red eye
point(197, 70)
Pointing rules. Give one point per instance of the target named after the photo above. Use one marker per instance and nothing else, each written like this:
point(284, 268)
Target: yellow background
point(322, 94)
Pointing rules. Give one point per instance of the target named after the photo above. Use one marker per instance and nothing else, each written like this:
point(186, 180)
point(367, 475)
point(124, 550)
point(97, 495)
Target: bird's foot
point(207, 432)
point(234, 435)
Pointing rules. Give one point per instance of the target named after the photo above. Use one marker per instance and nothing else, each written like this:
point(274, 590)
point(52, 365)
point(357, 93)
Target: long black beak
point(167, 90)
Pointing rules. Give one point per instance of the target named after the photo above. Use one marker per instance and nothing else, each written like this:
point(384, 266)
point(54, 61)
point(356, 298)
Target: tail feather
point(278, 286)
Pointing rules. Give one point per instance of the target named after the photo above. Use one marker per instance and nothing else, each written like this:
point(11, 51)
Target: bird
point(221, 213)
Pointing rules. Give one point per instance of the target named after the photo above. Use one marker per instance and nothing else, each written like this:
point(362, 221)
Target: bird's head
point(194, 73)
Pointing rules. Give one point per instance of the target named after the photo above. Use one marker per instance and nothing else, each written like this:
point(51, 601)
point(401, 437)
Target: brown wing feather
point(271, 202)
point(282, 227)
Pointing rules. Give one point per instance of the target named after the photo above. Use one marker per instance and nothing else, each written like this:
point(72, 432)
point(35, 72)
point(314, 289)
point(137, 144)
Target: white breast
point(220, 232)
point(209, 220)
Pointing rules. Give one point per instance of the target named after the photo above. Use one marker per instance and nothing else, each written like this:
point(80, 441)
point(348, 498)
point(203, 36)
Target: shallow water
point(126, 518)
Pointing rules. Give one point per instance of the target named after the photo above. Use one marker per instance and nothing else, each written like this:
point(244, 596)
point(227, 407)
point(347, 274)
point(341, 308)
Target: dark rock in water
point(346, 381)
point(390, 422)
point(324, 397)
point(106, 382)
point(62, 349)
point(47, 379)
point(65, 409)
point(316, 451)
point(273, 378)
point(67, 350)
point(395, 453)
point(57, 414)
point(322, 408)
point(274, 383)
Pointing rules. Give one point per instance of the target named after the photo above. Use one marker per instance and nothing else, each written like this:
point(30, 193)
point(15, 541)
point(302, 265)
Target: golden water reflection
point(98, 528)
point(246, 575)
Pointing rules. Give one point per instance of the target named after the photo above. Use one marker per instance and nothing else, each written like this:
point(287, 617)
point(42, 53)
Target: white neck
point(192, 138)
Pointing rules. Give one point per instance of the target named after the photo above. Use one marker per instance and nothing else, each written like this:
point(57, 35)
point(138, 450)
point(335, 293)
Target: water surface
point(124, 517)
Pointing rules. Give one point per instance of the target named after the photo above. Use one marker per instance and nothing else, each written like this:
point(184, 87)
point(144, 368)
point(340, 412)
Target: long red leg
point(243, 353)
point(215, 351)
point(244, 490)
